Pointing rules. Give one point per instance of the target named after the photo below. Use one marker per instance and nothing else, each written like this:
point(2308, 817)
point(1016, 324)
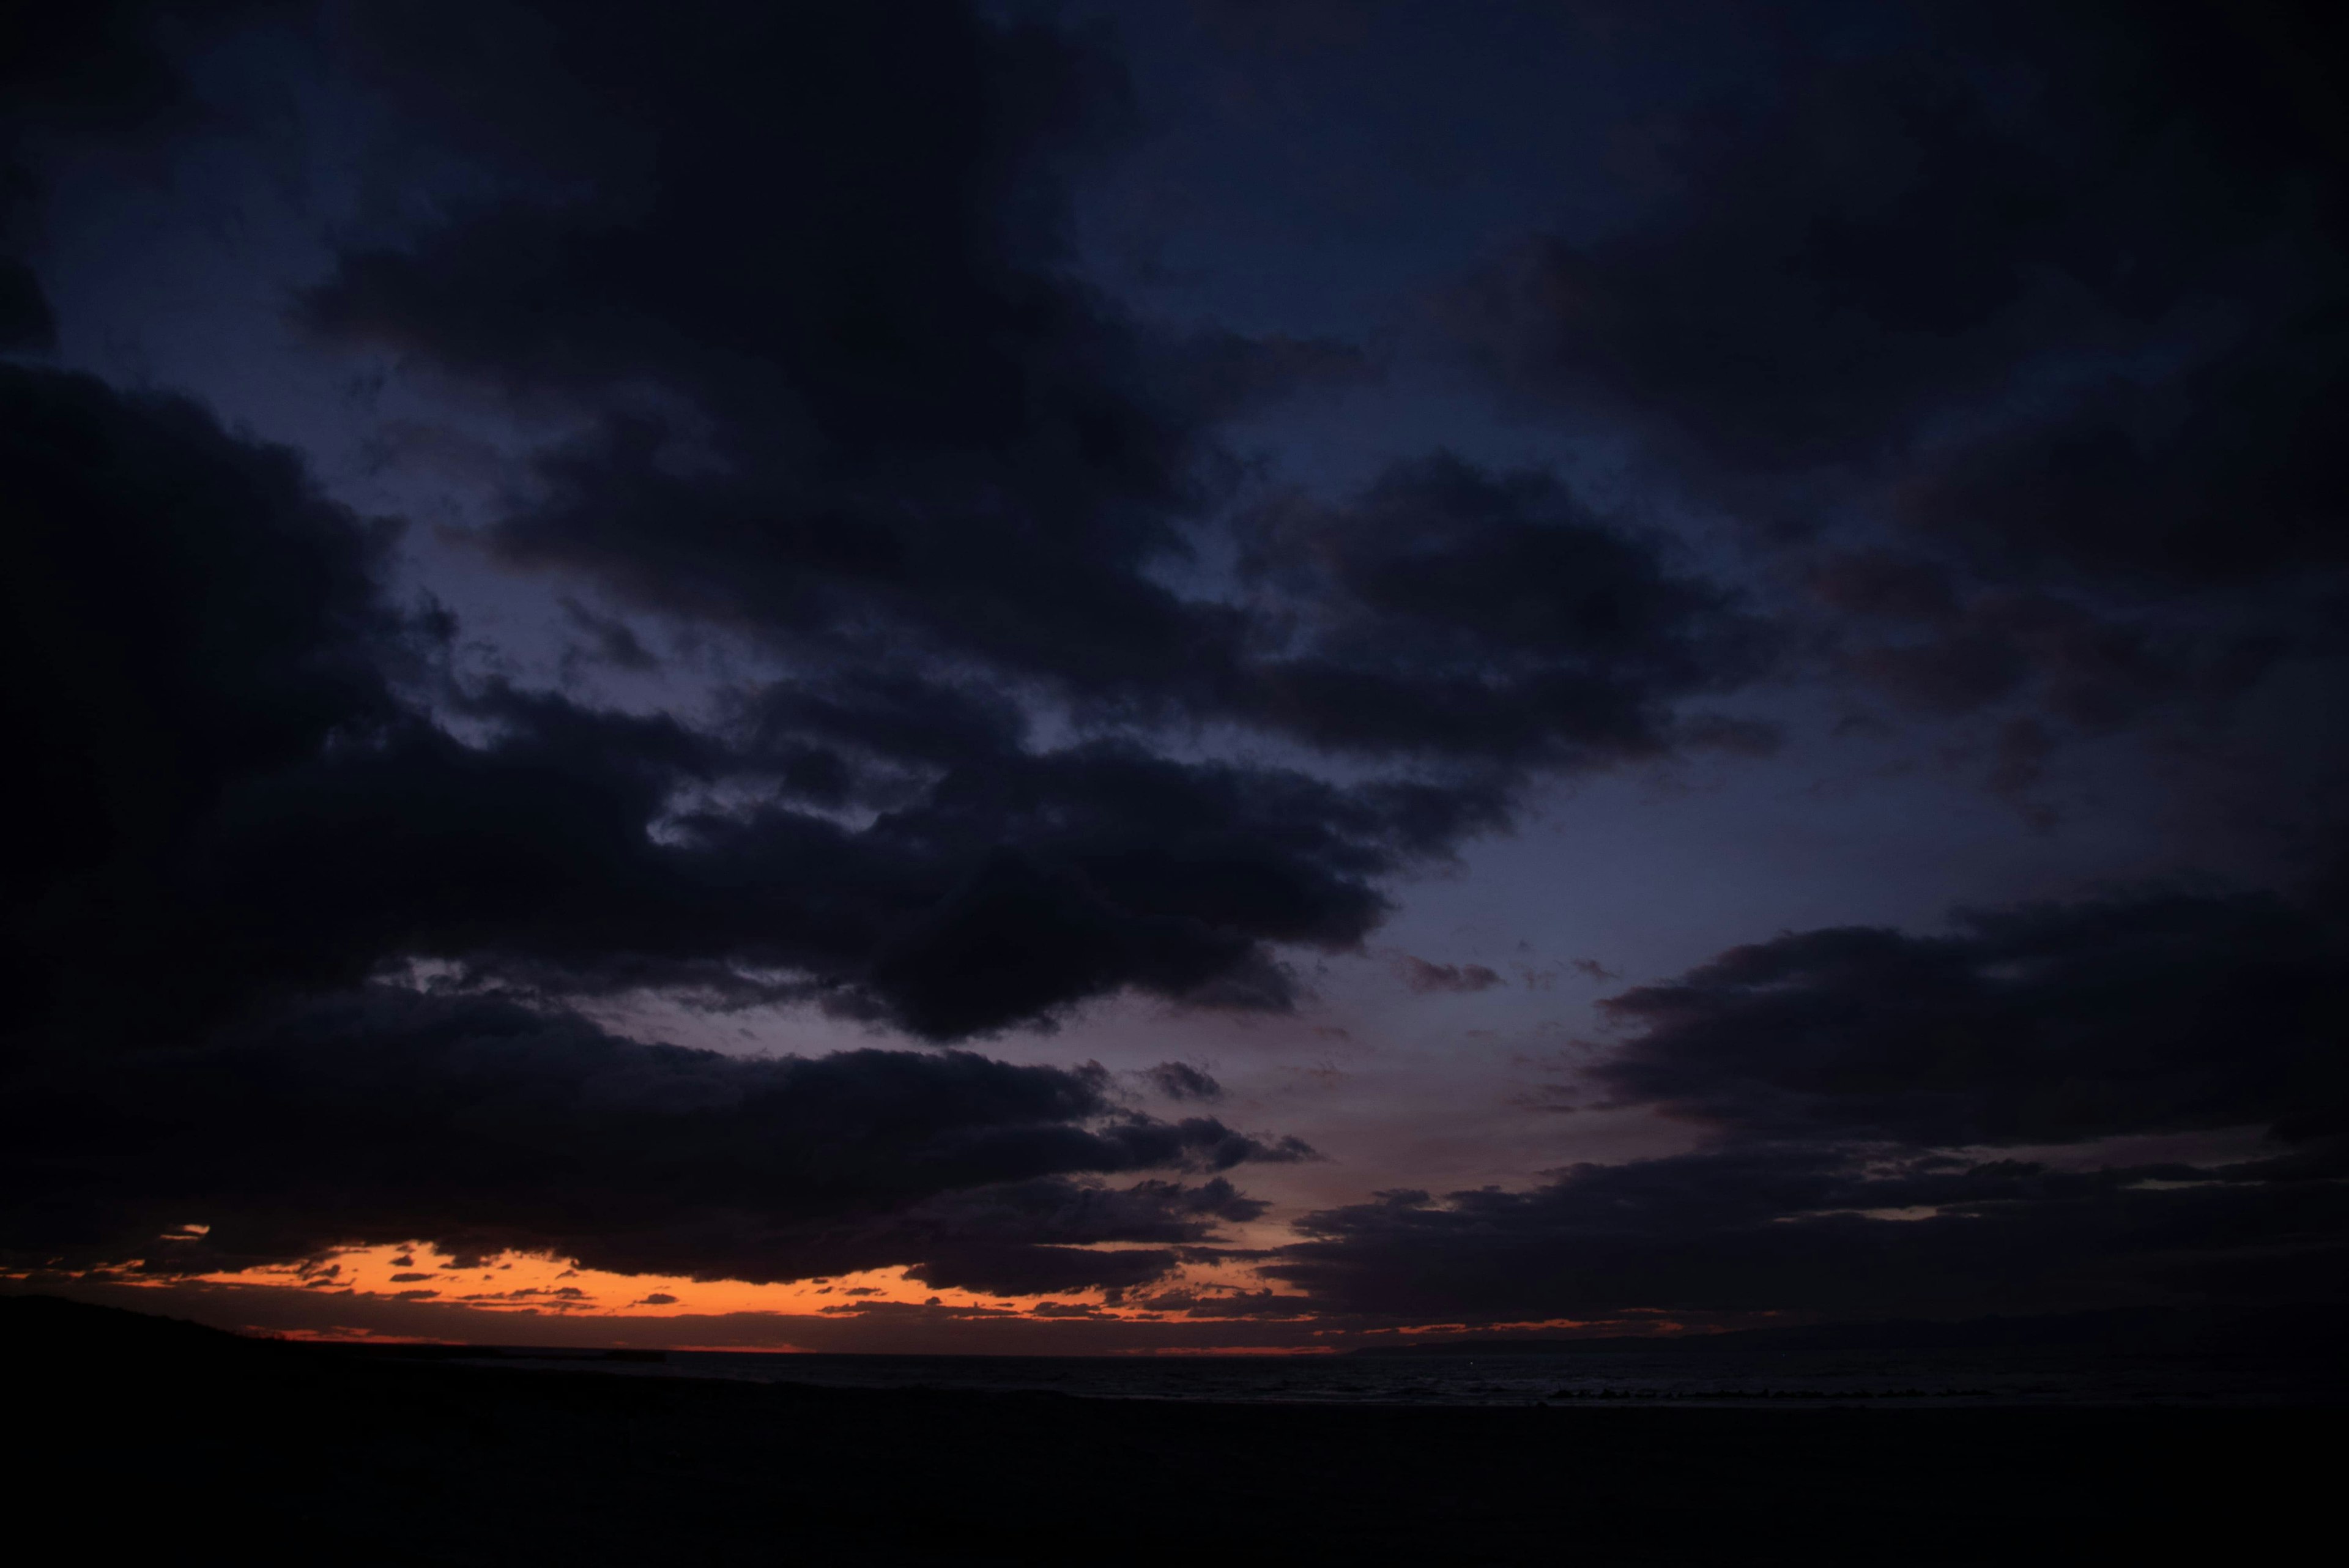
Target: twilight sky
point(1212, 674)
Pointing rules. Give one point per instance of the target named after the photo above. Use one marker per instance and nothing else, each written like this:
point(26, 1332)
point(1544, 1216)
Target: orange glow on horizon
point(527, 1284)
point(539, 1285)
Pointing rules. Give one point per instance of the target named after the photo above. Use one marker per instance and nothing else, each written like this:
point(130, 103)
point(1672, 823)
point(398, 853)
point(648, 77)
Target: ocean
point(1602, 1379)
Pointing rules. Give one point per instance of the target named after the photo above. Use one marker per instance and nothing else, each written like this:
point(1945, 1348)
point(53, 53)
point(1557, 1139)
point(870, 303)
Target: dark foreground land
point(129, 1430)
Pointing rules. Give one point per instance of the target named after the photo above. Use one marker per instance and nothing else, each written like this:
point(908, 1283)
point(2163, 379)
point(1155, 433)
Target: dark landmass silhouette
point(2318, 1330)
point(132, 1430)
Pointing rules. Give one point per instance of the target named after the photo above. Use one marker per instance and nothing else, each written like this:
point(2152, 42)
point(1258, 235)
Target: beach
point(283, 1450)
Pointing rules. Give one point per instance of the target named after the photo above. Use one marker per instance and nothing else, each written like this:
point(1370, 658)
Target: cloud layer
point(994, 680)
point(482, 1126)
point(2019, 333)
point(1860, 1085)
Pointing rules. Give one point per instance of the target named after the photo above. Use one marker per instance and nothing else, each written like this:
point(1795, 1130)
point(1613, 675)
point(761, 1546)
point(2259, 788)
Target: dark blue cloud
point(1849, 1079)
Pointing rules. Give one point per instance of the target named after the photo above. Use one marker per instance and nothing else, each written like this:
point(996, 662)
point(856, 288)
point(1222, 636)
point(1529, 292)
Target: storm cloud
point(925, 524)
point(1857, 1085)
point(884, 419)
point(1728, 1235)
point(879, 602)
point(244, 791)
point(2157, 1014)
point(2040, 305)
point(481, 1125)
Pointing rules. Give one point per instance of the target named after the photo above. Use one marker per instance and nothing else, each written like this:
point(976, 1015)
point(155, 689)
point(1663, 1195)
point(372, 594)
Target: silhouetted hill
point(33, 1323)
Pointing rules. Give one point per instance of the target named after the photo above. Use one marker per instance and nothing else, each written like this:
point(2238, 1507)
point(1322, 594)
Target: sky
point(1223, 675)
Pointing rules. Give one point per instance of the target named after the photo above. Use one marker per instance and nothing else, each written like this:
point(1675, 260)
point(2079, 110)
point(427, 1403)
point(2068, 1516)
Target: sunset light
point(975, 781)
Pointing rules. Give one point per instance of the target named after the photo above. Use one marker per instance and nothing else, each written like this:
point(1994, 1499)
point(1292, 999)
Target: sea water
point(1612, 1379)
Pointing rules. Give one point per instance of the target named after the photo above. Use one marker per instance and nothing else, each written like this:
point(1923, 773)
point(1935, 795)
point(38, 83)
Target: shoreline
point(482, 1463)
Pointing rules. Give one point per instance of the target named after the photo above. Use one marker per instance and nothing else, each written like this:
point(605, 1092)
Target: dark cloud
point(238, 795)
point(2019, 335)
point(100, 75)
point(1422, 976)
point(2034, 1025)
point(1912, 635)
point(1839, 1069)
point(239, 792)
point(1014, 887)
point(184, 616)
point(829, 244)
point(1883, 233)
point(1817, 276)
point(608, 640)
point(870, 419)
point(478, 1125)
point(1812, 1230)
point(2218, 477)
point(1106, 865)
point(1181, 1081)
point(2050, 297)
point(801, 278)
point(1451, 612)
